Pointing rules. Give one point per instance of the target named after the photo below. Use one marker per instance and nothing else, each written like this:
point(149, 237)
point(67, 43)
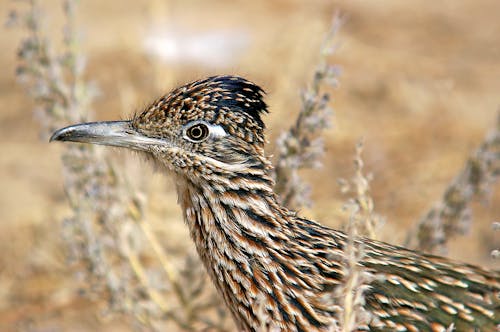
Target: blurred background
point(420, 84)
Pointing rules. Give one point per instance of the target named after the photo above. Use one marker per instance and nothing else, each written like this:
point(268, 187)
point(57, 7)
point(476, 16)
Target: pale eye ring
point(197, 132)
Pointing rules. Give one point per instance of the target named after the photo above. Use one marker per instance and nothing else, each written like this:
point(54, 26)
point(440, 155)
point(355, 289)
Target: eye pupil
point(197, 132)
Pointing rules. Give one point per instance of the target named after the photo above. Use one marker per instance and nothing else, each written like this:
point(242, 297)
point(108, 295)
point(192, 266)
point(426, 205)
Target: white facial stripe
point(216, 130)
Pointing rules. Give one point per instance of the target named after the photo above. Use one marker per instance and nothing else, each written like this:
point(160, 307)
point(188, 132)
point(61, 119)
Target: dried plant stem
point(368, 220)
point(161, 255)
point(363, 197)
point(301, 146)
point(362, 221)
point(356, 279)
point(452, 216)
point(351, 284)
point(141, 274)
point(495, 253)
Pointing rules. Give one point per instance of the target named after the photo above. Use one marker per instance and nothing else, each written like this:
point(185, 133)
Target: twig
point(452, 215)
point(302, 146)
point(360, 185)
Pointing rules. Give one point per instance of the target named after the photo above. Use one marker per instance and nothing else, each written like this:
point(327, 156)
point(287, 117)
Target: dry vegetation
point(419, 84)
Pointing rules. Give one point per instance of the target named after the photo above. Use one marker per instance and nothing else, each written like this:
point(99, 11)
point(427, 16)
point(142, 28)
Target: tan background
point(420, 83)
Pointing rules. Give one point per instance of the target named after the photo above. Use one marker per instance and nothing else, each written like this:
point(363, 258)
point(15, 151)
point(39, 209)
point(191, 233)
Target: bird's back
point(409, 291)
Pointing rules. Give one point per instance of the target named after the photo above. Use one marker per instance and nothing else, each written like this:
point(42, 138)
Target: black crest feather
point(238, 94)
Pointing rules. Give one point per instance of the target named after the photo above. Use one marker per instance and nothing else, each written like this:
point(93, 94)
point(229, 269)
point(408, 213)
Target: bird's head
point(211, 125)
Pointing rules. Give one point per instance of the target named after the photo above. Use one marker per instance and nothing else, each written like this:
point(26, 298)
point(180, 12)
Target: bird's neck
point(234, 223)
point(238, 213)
point(257, 252)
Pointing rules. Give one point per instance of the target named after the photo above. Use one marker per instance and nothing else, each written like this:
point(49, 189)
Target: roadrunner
point(264, 259)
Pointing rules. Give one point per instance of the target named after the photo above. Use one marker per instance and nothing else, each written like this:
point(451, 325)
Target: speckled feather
point(267, 262)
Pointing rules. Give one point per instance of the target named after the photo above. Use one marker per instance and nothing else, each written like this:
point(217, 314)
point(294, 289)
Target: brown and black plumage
point(261, 256)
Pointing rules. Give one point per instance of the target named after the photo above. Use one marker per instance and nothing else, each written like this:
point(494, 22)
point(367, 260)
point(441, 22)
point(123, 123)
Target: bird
point(264, 259)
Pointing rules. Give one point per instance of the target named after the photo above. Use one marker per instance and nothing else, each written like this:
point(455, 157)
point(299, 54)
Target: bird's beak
point(112, 133)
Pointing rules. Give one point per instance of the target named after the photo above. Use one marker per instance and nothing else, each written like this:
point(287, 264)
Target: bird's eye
point(197, 132)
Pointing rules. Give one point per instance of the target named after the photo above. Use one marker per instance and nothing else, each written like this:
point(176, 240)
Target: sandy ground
point(420, 84)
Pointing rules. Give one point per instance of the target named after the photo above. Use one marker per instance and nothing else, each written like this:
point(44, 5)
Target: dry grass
point(452, 215)
point(419, 83)
point(363, 221)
